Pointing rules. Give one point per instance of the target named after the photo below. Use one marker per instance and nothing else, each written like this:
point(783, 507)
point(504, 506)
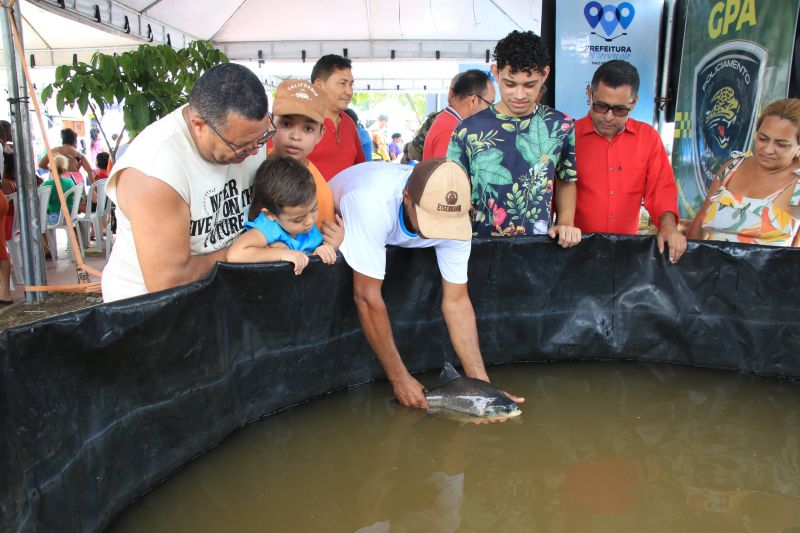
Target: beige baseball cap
point(441, 191)
point(299, 97)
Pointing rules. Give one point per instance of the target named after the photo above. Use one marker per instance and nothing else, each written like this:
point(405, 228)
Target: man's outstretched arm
point(378, 330)
point(460, 318)
point(462, 327)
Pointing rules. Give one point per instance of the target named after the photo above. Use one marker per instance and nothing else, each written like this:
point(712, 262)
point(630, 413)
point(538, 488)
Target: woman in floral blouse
point(756, 197)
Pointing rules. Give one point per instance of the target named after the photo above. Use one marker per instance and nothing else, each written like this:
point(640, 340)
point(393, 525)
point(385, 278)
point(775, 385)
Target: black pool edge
point(103, 404)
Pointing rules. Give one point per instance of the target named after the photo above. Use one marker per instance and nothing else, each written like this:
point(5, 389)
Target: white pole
point(27, 196)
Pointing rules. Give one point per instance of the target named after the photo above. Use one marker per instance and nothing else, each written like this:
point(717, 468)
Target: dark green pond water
point(600, 447)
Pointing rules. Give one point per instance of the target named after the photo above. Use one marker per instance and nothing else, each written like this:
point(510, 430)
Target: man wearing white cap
point(412, 207)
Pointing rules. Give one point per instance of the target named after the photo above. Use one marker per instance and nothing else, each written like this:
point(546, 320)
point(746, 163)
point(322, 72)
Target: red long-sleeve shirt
point(615, 176)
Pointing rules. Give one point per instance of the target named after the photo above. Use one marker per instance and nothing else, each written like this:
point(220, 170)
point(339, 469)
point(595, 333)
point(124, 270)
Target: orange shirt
point(324, 196)
point(615, 176)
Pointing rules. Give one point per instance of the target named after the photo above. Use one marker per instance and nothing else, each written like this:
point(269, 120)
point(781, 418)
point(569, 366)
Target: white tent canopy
point(249, 30)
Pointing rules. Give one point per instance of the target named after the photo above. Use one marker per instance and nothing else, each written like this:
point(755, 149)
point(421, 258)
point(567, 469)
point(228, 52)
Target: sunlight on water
point(600, 447)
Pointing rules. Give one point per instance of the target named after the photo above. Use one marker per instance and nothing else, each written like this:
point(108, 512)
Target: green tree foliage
point(149, 82)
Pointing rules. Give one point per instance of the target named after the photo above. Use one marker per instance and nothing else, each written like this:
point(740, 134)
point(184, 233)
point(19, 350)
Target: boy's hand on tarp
point(326, 253)
point(297, 258)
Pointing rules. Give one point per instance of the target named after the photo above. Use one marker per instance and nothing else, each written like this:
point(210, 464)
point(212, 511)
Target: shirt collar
point(585, 126)
point(503, 116)
point(453, 112)
point(403, 227)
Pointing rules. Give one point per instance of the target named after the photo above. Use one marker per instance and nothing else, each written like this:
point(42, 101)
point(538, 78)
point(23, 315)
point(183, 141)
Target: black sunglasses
point(618, 110)
point(484, 99)
point(238, 152)
point(602, 108)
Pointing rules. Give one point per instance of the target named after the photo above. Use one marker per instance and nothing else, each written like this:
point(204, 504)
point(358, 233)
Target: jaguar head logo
point(723, 113)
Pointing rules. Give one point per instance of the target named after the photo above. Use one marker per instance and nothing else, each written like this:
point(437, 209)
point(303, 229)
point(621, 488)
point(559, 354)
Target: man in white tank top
point(183, 187)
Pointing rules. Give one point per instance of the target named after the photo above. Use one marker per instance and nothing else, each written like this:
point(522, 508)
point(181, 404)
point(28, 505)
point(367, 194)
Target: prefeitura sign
point(589, 33)
point(736, 58)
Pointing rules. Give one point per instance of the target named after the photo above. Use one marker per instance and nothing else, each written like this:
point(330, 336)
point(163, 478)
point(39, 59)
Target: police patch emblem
point(727, 96)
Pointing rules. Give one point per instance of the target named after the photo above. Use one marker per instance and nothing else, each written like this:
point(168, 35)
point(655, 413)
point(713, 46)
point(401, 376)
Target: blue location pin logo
point(625, 13)
point(608, 19)
point(593, 11)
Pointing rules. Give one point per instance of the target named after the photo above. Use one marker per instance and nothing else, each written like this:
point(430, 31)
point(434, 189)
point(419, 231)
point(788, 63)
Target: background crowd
point(532, 169)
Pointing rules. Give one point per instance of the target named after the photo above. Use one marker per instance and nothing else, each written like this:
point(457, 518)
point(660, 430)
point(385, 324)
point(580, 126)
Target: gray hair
point(228, 88)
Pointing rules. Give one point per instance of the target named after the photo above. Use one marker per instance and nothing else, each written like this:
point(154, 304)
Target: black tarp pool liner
point(100, 405)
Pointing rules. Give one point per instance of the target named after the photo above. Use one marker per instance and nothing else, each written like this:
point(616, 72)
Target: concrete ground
point(61, 271)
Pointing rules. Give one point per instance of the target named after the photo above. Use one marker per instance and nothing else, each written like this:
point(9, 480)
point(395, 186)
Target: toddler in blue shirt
point(283, 217)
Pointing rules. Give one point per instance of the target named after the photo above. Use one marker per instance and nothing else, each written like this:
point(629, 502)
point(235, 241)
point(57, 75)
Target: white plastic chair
point(44, 199)
point(73, 197)
point(97, 217)
point(14, 244)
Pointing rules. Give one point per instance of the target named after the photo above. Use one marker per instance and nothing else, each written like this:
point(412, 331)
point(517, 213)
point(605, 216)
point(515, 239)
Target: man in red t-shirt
point(340, 146)
point(621, 161)
point(472, 91)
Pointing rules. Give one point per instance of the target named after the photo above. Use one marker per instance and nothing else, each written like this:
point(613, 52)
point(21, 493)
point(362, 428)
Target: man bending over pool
point(411, 207)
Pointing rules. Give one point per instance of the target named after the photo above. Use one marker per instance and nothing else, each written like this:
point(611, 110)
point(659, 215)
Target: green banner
point(736, 59)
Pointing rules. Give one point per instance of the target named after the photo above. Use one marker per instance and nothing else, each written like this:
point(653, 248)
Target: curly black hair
point(523, 51)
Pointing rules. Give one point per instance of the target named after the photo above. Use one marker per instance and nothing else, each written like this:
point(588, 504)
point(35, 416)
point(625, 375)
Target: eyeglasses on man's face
point(617, 110)
point(484, 99)
point(239, 151)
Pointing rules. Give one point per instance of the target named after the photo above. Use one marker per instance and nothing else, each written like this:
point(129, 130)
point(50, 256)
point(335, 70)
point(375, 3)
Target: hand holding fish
point(498, 420)
point(410, 392)
point(515, 399)
point(472, 397)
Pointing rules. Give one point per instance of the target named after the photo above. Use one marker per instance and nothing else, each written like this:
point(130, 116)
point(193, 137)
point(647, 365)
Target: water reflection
point(599, 447)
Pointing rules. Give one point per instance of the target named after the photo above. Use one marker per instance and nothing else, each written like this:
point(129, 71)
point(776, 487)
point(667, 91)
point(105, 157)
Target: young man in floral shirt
point(516, 152)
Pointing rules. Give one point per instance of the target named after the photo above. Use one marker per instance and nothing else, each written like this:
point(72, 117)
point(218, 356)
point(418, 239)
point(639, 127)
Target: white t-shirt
point(218, 196)
point(370, 198)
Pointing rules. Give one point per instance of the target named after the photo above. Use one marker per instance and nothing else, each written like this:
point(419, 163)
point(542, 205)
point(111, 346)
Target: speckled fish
point(469, 396)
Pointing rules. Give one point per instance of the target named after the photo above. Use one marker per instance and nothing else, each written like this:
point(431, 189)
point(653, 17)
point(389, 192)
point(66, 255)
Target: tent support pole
point(28, 199)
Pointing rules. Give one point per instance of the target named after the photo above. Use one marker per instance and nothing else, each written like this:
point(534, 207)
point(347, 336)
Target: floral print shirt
point(736, 218)
point(512, 162)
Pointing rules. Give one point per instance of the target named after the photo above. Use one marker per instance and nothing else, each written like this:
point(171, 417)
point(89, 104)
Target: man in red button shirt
point(340, 146)
point(621, 161)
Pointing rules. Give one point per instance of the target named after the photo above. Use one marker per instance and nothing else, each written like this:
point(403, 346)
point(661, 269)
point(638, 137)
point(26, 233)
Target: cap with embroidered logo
point(441, 192)
point(299, 97)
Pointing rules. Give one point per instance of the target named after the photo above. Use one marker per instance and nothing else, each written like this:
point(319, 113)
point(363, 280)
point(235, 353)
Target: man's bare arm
point(460, 319)
point(160, 222)
point(378, 331)
point(459, 316)
point(566, 196)
point(88, 168)
point(669, 234)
